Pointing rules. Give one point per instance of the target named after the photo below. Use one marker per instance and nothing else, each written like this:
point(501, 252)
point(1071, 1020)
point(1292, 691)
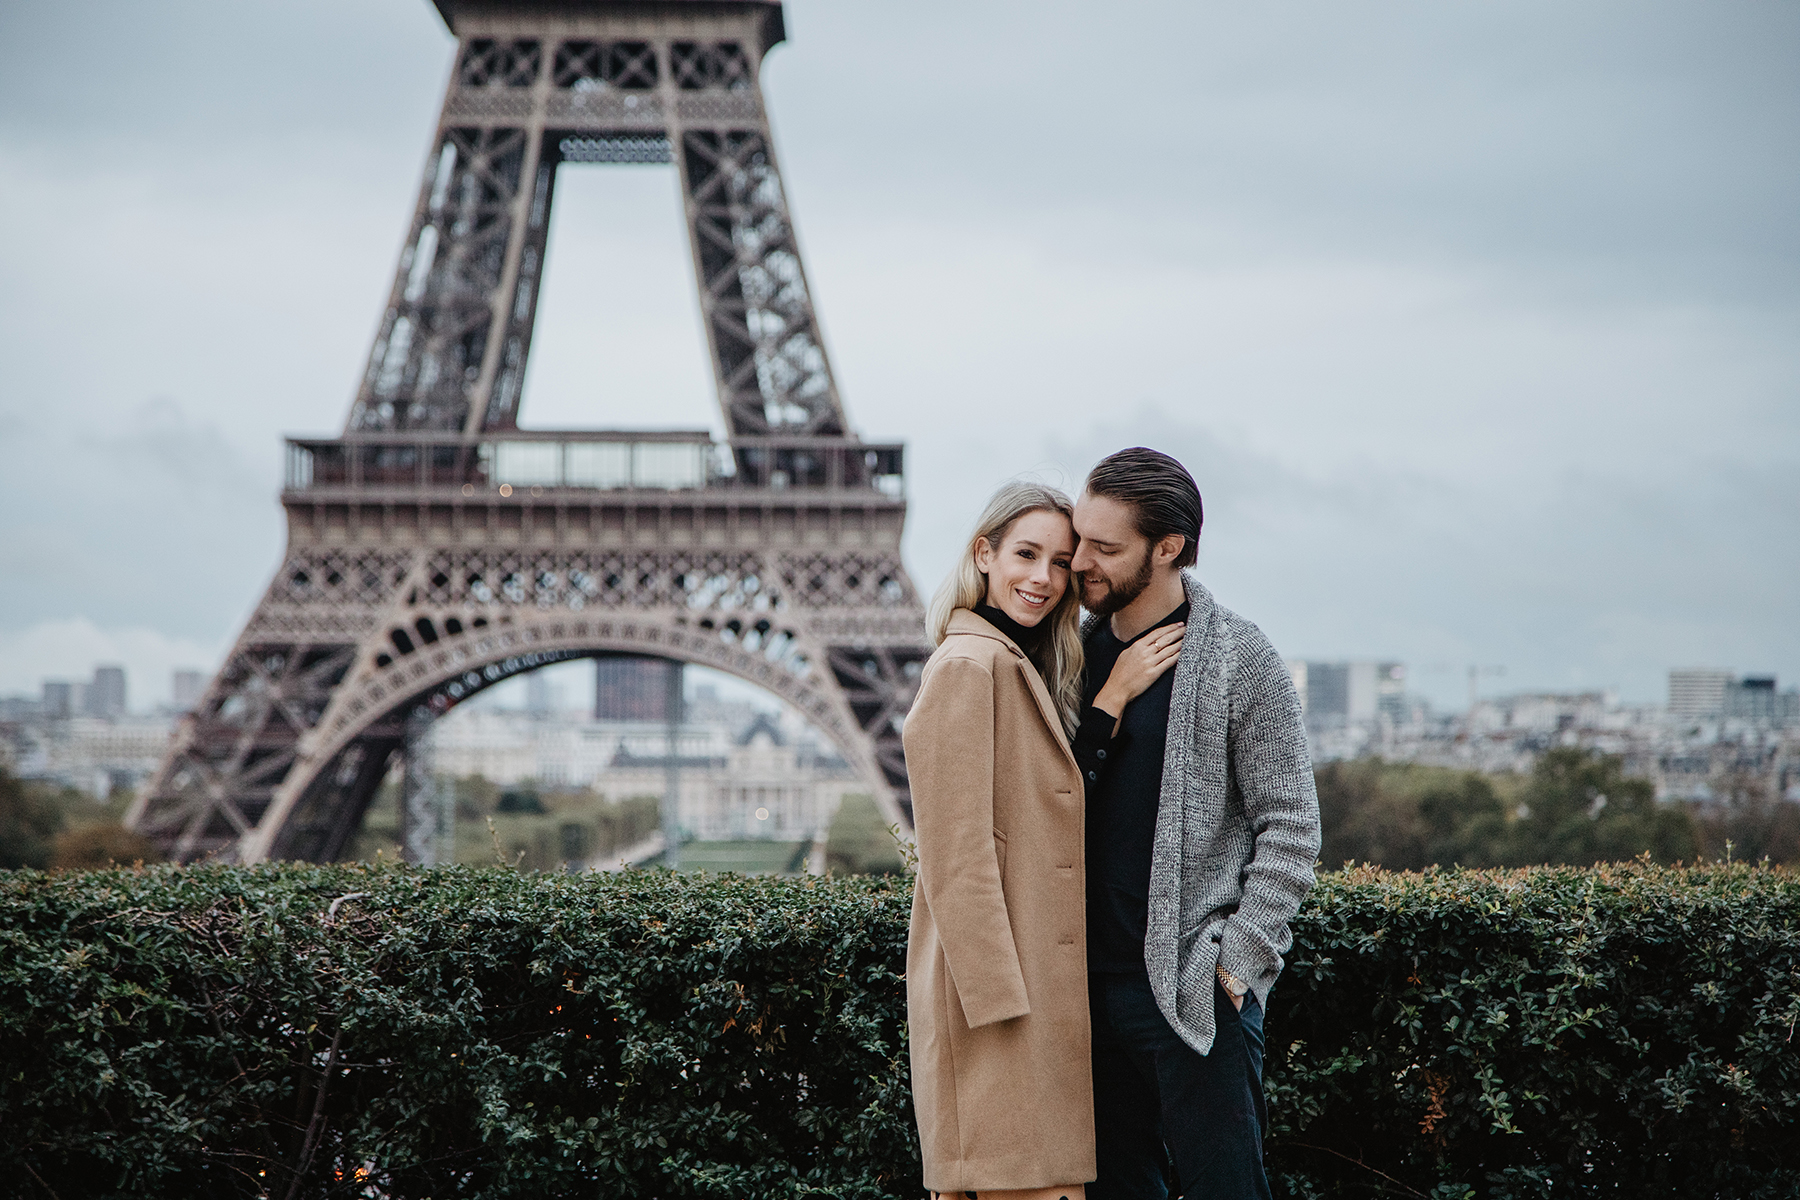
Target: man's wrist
point(1108, 702)
point(1234, 987)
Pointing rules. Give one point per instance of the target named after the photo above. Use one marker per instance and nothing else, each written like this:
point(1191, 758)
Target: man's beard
point(1118, 593)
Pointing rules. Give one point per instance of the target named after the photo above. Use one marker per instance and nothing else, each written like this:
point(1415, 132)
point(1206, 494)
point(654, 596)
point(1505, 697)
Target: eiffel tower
point(436, 548)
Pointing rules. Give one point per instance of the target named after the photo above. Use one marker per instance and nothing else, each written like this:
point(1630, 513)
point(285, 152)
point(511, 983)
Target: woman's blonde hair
point(1058, 655)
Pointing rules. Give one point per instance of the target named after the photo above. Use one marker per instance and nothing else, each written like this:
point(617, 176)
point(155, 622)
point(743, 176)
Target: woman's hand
point(1141, 665)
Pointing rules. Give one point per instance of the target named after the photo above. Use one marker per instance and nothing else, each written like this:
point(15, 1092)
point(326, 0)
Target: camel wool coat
point(996, 960)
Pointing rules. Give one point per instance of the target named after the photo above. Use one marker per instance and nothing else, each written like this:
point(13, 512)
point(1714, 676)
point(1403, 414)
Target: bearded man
point(1202, 834)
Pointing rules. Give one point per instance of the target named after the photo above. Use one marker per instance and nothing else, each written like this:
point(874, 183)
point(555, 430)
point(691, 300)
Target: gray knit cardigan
point(1237, 825)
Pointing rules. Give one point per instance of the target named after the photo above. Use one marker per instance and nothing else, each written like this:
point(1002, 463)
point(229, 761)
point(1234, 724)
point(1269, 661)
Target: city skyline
point(1354, 690)
point(1478, 335)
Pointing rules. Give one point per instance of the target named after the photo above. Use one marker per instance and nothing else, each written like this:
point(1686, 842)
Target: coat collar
point(964, 621)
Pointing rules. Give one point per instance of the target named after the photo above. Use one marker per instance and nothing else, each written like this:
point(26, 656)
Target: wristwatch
point(1234, 987)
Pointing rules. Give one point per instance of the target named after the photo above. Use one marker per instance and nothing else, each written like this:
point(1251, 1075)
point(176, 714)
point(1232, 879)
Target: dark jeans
point(1168, 1121)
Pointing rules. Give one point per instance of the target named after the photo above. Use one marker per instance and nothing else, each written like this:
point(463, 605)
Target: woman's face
point(1028, 575)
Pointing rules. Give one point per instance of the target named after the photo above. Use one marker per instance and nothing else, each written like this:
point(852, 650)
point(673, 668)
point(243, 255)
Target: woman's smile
point(1028, 574)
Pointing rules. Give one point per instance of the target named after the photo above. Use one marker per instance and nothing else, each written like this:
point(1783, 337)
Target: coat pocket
point(1000, 853)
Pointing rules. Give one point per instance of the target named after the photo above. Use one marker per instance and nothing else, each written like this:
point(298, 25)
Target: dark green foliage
point(1464, 821)
point(1577, 808)
point(1747, 822)
point(533, 824)
point(35, 817)
point(475, 796)
point(621, 823)
point(102, 844)
point(30, 819)
point(173, 1032)
point(165, 1032)
point(1582, 808)
point(519, 802)
point(1624, 1031)
point(1407, 817)
point(860, 841)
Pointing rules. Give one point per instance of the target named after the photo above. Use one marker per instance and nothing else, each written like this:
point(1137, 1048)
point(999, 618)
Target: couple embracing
point(1116, 822)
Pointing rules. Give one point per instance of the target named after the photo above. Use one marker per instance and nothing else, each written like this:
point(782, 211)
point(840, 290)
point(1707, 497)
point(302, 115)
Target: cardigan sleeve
point(1272, 768)
point(949, 739)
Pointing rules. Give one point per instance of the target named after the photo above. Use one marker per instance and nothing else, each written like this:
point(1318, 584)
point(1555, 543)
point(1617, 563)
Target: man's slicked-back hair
point(1159, 490)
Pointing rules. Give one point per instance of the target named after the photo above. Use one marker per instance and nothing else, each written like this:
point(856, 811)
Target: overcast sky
point(1478, 324)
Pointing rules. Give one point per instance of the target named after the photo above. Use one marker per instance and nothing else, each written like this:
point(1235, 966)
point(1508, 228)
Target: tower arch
point(321, 803)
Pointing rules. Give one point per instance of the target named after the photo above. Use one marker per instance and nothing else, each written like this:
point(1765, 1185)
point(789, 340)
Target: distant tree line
point(536, 825)
point(1577, 807)
point(54, 827)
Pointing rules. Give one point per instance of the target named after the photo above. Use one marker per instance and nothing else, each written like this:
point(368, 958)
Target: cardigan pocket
point(1212, 928)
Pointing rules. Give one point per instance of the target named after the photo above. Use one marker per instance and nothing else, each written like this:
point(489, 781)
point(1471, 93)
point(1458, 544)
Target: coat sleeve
point(1272, 768)
point(949, 739)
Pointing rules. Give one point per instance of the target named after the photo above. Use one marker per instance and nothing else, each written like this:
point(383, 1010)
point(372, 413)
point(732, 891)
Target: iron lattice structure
point(436, 548)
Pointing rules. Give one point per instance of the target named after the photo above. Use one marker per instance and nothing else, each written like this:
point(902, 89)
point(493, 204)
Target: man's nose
point(1081, 562)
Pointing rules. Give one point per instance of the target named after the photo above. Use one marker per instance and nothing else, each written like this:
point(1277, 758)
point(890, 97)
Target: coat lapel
point(1047, 707)
point(965, 621)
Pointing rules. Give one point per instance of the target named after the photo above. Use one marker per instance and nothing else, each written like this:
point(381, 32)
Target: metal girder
point(419, 571)
point(453, 342)
point(284, 754)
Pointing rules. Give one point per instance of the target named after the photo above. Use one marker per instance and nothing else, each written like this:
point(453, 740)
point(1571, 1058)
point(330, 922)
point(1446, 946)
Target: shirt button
point(1100, 754)
point(1093, 775)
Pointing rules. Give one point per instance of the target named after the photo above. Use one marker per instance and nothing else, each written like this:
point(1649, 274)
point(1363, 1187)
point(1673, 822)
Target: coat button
point(1100, 754)
point(1093, 775)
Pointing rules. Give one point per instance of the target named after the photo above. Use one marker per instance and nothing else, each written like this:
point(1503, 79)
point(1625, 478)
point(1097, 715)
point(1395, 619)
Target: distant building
point(763, 787)
point(189, 687)
point(106, 695)
point(1337, 695)
point(632, 688)
point(63, 699)
point(1696, 693)
point(741, 774)
point(537, 694)
point(1754, 698)
point(1717, 730)
point(89, 753)
point(1547, 713)
point(20, 708)
point(1700, 694)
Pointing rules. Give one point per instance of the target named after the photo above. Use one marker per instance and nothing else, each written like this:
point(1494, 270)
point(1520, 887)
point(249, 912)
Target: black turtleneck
point(1025, 637)
point(1124, 792)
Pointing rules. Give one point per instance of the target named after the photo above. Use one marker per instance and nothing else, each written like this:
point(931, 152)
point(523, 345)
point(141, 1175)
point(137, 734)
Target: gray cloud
point(1477, 322)
point(1564, 586)
point(160, 523)
point(1612, 144)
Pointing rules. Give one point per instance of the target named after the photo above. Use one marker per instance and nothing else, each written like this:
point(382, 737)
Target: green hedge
point(1624, 1030)
point(455, 1032)
point(480, 1032)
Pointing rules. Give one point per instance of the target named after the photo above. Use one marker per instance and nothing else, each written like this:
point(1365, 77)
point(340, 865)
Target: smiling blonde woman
point(996, 977)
